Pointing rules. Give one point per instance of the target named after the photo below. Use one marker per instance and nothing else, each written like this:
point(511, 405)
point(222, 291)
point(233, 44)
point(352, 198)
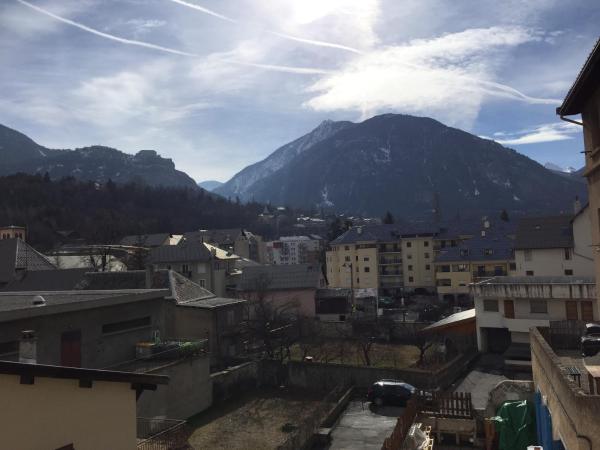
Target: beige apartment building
point(387, 258)
point(555, 245)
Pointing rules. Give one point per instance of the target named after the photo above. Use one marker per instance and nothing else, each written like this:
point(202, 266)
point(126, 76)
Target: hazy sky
point(217, 85)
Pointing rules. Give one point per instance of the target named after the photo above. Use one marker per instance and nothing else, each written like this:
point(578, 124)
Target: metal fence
point(162, 434)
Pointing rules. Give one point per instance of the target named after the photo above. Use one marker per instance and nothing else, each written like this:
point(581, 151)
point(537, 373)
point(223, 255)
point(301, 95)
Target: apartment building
point(472, 260)
point(508, 307)
point(386, 258)
point(13, 232)
point(295, 250)
point(555, 245)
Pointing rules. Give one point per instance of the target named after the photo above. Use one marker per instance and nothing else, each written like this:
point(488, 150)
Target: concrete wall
point(552, 262)
point(98, 349)
point(574, 414)
point(313, 375)
point(591, 138)
point(189, 390)
point(362, 259)
point(52, 413)
point(235, 380)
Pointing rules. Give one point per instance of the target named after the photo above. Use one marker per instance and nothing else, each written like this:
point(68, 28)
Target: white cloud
point(447, 77)
point(548, 132)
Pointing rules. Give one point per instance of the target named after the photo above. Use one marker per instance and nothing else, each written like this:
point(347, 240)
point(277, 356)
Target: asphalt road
point(360, 427)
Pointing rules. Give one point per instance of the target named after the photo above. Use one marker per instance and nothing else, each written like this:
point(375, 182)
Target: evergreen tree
point(504, 216)
point(388, 218)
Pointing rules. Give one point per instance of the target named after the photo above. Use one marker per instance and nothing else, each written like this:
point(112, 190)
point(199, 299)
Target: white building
point(555, 245)
point(295, 250)
point(508, 307)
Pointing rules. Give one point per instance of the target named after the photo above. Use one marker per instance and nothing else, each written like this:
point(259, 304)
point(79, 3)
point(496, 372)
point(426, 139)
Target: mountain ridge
point(19, 153)
point(407, 165)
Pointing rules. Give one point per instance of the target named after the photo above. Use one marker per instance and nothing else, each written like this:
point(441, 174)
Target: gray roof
point(279, 277)
point(452, 319)
point(183, 252)
point(383, 233)
point(478, 249)
point(17, 254)
point(46, 280)
point(212, 303)
point(225, 236)
point(15, 305)
point(333, 293)
point(545, 232)
point(145, 240)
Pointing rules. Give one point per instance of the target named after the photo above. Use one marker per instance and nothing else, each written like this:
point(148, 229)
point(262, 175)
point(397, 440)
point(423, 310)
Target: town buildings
point(388, 259)
point(236, 240)
point(13, 232)
point(295, 250)
point(556, 245)
point(16, 257)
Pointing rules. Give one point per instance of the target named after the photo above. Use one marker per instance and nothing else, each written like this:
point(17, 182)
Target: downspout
point(566, 119)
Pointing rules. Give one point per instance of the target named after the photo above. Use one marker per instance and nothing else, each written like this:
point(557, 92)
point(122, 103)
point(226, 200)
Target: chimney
point(149, 276)
point(28, 347)
point(576, 205)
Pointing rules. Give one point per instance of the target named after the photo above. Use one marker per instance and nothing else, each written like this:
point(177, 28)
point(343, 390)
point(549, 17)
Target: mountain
point(210, 185)
point(568, 172)
point(241, 183)
point(411, 165)
point(18, 153)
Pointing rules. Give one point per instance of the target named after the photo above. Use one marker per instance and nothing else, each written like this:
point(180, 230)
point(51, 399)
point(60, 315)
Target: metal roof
point(212, 303)
point(453, 319)
point(183, 252)
point(480, 248)
point(544, 232)
point(146, 240)
point(17, 254)
point(383, 233)
point(278, 277)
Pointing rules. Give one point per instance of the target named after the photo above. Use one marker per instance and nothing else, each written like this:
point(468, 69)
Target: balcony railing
point(489, 273)
point(162, 434)
point(390, 260)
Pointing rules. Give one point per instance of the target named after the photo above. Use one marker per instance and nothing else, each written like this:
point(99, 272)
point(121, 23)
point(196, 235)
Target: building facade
point(555, 246)
point(387, 258)
point(13, 232)
point(508, 307)
point(295, 250)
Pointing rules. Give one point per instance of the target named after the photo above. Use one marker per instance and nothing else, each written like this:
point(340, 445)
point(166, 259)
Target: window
point(527, 254)
point(366, 258)
point(568, 271)
point(426, 243)
point(410, 267)
point(367, 269)
point(409, 256)
point(202, 282)
point(529, 273)
point(538, 306)
point(488, 252)
point(411, 279)
point(444, 282)
point(568, 255)
point(587, 311)
point(346, 247)
point(357, 280)
point(357, 258)
point(426, 255)
point(444, 268)
point(126, 325)
point(512, 266)
point(464, 252)
point(460, 267)
point(185, 268)
point(409, 244)
point(347, 258)
point(509, 309)
point(490, 305)
point(427, 267)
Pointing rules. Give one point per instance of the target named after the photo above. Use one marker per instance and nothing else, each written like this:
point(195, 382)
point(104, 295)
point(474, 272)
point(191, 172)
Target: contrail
point(205, 10)
point(273, 67)
point(314, 42)
point(275, 33)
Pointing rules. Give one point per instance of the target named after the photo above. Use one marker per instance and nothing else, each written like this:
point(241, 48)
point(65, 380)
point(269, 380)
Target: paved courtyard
point(359, 427)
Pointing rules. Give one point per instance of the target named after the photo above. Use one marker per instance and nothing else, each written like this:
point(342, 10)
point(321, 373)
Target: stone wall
point(574, 413)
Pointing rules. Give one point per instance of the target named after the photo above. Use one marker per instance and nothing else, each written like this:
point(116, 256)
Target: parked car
point(590, 341)
point(390, 392)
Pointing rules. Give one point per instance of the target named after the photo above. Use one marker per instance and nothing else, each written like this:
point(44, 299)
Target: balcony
point(489, 273)
point(389, 261)
point(388, 273)
point(153, 355)
point(161, 434)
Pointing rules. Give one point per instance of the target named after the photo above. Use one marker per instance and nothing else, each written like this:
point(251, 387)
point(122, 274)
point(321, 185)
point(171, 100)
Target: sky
point(218, 85)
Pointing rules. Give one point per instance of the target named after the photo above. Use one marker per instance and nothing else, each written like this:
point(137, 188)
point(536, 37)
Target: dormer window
point(488, 252)
point(464, 252)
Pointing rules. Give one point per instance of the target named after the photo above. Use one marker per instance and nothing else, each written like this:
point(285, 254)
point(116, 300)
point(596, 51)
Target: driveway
point(359, 427)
